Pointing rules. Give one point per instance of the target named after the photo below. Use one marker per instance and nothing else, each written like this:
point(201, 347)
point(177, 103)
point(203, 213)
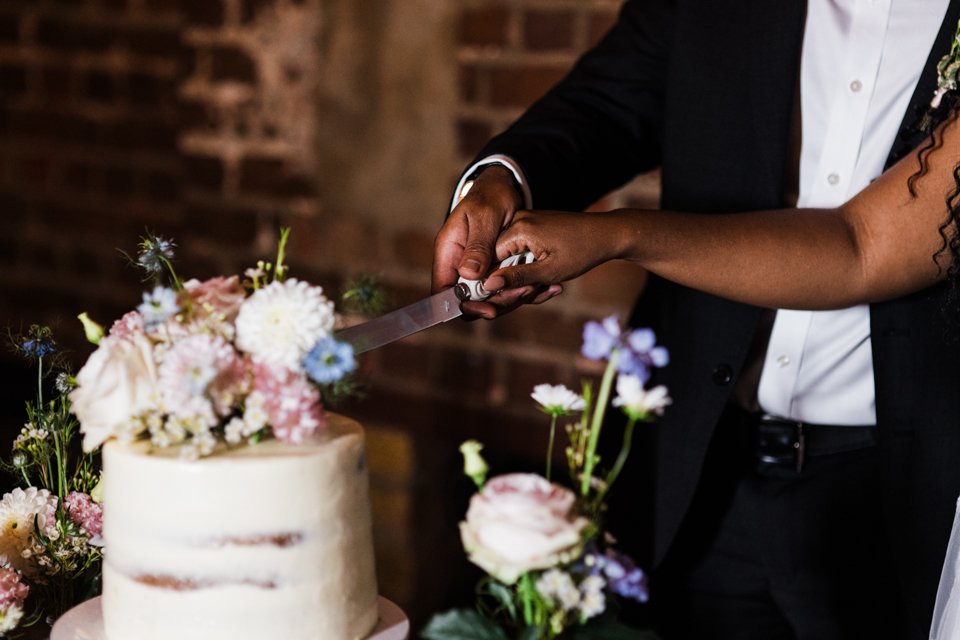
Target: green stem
point(621, 459)
point(40, 385)
point(553, 431)
point(525, 588)
point(599, 410)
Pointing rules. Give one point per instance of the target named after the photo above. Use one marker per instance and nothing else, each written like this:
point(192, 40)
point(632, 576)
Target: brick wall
point(217, 121)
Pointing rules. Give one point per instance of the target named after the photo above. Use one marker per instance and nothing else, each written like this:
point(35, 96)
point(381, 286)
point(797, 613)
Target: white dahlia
point(19, 509)
point(280, 323)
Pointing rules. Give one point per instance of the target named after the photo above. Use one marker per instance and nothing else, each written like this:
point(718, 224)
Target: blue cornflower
point(642, 354)
point(329, 360)
point(36, 343)
point(599, 340)
point(38, 347)
point(155, 254)
point(157, 306)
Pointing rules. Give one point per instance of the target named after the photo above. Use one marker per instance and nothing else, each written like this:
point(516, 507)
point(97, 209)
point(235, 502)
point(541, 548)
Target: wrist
point(498, 181)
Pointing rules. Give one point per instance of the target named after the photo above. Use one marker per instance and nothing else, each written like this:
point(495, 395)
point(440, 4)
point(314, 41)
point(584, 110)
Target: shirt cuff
point(466, 181)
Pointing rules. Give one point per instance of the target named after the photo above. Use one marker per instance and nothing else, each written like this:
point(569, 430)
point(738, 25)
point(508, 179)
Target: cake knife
point(421, 315)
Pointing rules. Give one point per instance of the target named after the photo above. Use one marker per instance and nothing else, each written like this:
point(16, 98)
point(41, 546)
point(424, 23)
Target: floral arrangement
point(552, 570)
point(50, 526)
point(223, 361)
point(199, 364)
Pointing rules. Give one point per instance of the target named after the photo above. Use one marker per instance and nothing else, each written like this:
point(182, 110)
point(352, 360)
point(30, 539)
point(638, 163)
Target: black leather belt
point(781, 447)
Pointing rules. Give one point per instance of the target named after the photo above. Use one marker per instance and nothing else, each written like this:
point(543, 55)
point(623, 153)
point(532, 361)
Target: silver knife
point(421, 315)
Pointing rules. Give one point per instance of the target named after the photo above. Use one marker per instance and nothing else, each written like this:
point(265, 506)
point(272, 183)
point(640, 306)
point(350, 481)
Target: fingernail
point(471, 265)
point(494, 284)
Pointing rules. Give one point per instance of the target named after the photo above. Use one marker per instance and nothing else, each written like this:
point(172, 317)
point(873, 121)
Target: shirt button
point(855, 86)
point(783, 361)
point(722, 375)
point(833, 178)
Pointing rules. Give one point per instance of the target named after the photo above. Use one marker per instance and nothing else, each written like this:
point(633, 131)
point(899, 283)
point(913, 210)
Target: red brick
point(76, 176)
point(414, 248)
point(9, 27)
point(163, 187)
point(232, 226)
point(472, 135)
point(119, 181)
point(274, 177)
point(62, 34)
point(63, 128)
point(100, 86)
point(463, 372)
point(208, 13)
point(538, 324)
point(407, 362)
point(147, 135)
point(252, 8)
point(547, 30)
point(469, 82)
point(152, 41)
point(13, 80)
point(203, 171)
point(520, 87)
point(197, 116)
point(34, 169)
point(232, 63)
point(145, 89)
point(56, 83)
point(485, 26)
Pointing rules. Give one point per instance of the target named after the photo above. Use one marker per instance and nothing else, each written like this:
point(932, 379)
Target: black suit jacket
point(704, 90)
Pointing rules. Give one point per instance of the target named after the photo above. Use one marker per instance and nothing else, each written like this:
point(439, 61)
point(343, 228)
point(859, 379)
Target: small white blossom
point(557, 399)
point(637, 402)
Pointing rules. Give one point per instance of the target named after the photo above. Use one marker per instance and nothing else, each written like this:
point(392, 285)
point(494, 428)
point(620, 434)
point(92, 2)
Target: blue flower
point(155, 254)
point(623, 576)
point(38, 348)
point(36, 343)
point(157, 306)
point(329, 360)
point(599, 340)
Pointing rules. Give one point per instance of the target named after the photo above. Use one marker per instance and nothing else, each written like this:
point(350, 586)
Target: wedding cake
point(253, 542)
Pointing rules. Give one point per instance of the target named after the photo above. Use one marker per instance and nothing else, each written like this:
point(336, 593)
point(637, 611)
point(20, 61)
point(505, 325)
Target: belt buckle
point(781, 445)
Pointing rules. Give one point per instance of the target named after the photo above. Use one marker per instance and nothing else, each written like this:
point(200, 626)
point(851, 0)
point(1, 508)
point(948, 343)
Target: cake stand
point(85, 622)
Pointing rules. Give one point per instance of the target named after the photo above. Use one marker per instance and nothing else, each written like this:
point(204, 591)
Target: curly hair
point(948, 107)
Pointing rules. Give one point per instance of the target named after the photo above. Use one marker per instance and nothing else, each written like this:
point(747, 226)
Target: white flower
point(557, 399)
point(593, 601)
point(637, 402)
point(280, 323)
point(556, 585)
point(118, 382)
point(520, 522)
point(18, 511)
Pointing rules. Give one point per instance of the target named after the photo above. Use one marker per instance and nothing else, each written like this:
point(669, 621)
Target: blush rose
point(520, 522)
point(118, 382)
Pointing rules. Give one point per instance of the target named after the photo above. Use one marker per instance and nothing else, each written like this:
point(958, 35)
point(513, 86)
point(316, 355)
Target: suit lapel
point(908, 137)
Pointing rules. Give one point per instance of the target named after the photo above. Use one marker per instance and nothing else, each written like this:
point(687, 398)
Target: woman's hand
point(466, 244)
point(565, 245)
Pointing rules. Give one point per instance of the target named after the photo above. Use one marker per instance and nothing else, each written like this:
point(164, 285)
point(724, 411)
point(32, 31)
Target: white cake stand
point(85, 622)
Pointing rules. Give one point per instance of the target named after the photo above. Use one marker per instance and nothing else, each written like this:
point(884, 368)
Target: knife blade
point(440, 307)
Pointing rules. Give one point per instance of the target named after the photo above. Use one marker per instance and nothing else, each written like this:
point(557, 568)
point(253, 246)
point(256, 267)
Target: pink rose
point(118, 382)
point(520, 522)
point(217, 296)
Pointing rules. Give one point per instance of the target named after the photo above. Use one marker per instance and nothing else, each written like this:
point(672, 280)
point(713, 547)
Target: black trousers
point(780, 558)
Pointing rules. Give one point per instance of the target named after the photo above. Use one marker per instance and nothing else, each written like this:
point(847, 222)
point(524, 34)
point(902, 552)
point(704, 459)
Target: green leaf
point(462, 624)
point(504, 596)
point(529, 633)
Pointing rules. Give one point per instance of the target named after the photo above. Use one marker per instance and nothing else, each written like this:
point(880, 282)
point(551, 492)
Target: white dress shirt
point(860, 64)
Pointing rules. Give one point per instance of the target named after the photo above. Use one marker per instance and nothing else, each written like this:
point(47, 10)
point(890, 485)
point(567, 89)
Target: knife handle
point(475, 287)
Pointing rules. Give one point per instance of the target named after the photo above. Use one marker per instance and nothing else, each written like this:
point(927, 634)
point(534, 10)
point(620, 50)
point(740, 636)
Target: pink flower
point(520, 522)
point(85, 513)
point(12, 589)
point(292, 404)
point(197, 376)
point(131, 323)
point(215, 304)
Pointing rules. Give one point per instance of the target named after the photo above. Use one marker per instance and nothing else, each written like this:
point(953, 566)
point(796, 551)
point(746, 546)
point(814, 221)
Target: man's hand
point(466, 244)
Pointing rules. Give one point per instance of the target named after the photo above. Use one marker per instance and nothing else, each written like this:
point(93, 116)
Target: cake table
point(85, 622)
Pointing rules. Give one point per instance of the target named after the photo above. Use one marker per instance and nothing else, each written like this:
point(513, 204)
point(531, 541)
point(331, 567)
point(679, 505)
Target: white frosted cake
point(265, 541)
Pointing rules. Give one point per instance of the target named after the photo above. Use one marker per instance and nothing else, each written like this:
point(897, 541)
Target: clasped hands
point(489, 224)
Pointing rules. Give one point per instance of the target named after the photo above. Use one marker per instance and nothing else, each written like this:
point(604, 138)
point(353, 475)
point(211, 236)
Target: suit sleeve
point(600, 125)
